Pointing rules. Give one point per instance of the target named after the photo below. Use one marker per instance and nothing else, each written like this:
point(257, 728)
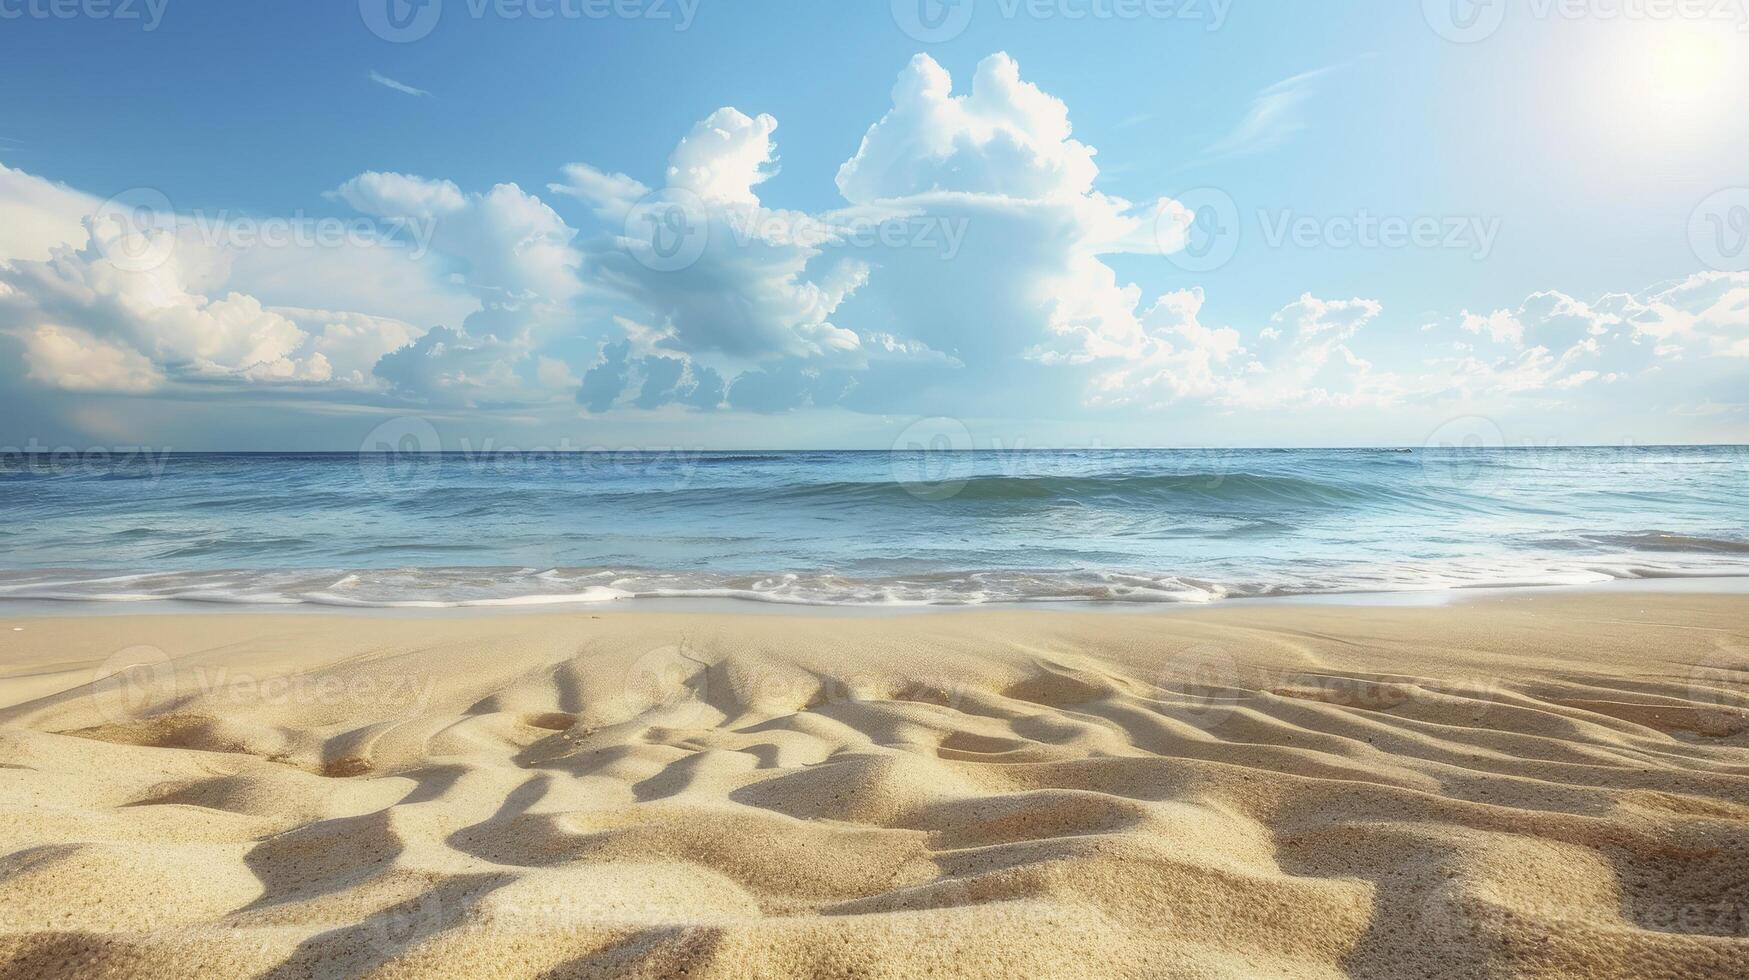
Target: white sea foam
point(444, 588)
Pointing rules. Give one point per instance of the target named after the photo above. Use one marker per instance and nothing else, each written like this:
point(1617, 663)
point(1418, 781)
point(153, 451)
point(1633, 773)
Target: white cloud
point(379, 193)
point(178, 307)
point(40, 215)
point(1006, 137)
point(1500, 326)
point(155, 314)
point(1554, 341)
point(988, 279)
point(752, 292)
point(554, 373)
point(1000, 161)
point(725, 157)
point(352, 343)
point(73, 360)
point(504, 242)
point(447, 366)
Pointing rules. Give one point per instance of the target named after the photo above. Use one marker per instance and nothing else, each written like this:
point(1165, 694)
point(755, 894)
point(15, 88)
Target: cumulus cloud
point(604, 382)
point(40, 215)
point(1005, 137)
point(970, 267)
point(160, 298)
point(657, 379)
point(725, 157)
point(1301, 358)
point(1028, 279)
point(1556, 341)
point(152, 312)
point(745, 285)
point(503, 241)
point(351, 343)
point(447, 366)
point(73, 360)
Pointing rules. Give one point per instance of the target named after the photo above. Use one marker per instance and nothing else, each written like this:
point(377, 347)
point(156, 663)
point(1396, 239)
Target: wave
point(1668, 541)
point(439, 588)
point(1210, 485)
point(938, 490)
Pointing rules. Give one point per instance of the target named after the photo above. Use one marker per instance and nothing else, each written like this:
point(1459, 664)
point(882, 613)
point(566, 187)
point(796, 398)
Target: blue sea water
point(860, 527)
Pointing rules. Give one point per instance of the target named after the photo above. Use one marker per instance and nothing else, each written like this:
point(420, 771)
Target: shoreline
point(33, 608)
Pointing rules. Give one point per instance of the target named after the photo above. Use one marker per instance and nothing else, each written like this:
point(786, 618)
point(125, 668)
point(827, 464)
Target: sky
point(775, 224)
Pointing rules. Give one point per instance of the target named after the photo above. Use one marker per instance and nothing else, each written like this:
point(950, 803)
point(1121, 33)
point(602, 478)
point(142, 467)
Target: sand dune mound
point(1527, 787)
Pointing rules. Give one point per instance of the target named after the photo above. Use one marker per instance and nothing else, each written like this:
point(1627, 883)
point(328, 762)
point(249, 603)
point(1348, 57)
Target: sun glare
point(1671, 77)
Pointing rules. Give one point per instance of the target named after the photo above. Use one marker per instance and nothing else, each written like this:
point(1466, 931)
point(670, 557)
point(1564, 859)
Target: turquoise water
point(851, 527)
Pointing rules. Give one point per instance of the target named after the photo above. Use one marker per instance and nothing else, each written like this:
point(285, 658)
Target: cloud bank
point(970, 269)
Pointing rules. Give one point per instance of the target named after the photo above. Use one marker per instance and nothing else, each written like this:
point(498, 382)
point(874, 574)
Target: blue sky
point(1073, 222)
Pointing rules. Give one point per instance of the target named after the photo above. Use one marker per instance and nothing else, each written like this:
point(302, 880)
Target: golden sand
point(1551, 786)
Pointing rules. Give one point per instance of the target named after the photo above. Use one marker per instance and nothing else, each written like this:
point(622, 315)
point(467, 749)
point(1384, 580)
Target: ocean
point(860, 528)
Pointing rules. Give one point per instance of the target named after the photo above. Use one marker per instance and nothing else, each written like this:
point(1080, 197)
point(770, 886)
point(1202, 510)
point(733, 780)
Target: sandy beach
point(1516, 785)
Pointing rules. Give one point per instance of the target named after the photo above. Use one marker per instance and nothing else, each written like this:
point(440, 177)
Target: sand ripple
point(1548, 787)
